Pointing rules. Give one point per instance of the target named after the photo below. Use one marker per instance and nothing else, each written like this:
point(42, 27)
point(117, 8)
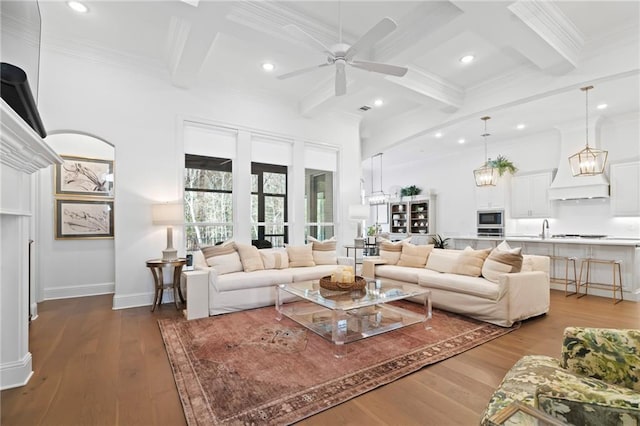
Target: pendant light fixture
point(377, 196)
point(589, 161)
point(486, 175)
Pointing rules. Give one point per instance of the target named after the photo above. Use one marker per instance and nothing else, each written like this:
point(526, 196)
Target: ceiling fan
point(342, 54)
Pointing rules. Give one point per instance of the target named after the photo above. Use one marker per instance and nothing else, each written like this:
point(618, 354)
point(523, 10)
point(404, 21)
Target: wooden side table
point(156, 266)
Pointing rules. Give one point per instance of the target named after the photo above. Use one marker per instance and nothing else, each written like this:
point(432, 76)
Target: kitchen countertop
point(607, 241)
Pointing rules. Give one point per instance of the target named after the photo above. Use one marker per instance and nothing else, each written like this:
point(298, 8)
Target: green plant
point(410, 190)
point(439, 242)
point(372, 230)
point(503, 165)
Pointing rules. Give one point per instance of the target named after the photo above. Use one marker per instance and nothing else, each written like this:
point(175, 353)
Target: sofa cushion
point(441, 260)
point(502, 260)
point(224, 258)
point(300, 256)
point(414, 256)
point(470, 262)
point(474, 286)
point(250, 257)
point(274, 258)
point(315, 273)
point(324, 252)
point(399, 273)
point(390, 251)
point(247, 280)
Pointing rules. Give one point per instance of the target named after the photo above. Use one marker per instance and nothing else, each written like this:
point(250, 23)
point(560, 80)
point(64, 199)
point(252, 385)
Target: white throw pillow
point(224, 258)
point(414, 256)
point(502, 260)
point(250, 257)
point(274, 258)
point(390, 251)
point(324, 252)
point(441, 260)
point(300, 256)
point(470, 262)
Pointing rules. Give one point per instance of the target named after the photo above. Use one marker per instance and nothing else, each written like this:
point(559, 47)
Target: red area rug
point(248, 368)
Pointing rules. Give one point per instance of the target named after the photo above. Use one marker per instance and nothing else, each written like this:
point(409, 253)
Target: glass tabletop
point(376, 291)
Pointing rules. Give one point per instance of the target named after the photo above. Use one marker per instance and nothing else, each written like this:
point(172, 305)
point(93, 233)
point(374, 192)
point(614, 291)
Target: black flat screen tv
point(17, 94)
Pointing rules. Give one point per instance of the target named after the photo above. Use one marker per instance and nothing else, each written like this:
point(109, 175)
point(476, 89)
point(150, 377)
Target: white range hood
point(567, 187)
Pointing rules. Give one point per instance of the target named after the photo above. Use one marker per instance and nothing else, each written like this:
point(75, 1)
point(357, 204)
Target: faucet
point(543, 235)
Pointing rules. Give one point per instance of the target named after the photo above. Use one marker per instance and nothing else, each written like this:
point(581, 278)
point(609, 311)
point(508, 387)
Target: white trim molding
point(16, 373)
point(68, 292)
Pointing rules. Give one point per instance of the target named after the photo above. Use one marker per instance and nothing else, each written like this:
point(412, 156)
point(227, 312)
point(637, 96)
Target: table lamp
point(359, 213)
point(168, 214)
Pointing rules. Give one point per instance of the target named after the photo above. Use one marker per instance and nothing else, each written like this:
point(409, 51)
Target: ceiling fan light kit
point(589, 161)
point(342, 54)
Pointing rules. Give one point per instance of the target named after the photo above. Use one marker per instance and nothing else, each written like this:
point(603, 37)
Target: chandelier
point(377, 196)
point(486, 175)
point(589, 161)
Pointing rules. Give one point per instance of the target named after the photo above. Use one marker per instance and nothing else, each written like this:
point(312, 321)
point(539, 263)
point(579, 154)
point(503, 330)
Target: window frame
point(259, 169)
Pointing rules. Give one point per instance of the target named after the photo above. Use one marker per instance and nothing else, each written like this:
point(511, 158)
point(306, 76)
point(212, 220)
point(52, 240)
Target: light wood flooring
point(96, 366)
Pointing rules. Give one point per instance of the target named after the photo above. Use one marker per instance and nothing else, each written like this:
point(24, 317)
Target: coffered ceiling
point(531, 57)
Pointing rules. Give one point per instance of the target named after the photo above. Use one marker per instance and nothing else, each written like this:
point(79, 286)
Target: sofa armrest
point(612, 355)
point(528, 293)
point(369, 267)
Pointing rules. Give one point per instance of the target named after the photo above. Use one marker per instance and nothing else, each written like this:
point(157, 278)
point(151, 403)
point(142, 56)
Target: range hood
point(567, 187)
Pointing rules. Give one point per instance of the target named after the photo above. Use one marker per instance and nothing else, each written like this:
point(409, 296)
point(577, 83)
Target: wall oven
point(490, 223)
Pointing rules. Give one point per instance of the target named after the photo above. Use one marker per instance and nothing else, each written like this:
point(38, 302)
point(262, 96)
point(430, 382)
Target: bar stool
point(588, 261)
point(567, 281)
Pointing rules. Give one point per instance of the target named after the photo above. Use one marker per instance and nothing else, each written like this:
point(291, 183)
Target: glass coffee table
point(346, 316)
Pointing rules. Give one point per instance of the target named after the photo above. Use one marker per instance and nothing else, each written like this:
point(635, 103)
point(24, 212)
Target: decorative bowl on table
point(358, 284)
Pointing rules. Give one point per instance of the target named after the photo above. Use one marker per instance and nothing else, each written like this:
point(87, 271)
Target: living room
point(141, 100)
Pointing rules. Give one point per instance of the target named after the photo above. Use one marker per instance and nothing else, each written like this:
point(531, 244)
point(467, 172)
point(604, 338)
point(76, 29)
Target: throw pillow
point(414, 256)
point(390, 251)
point(441, 260)
point(274, 258)
point(300, 256)
point(324, 252)
point(470, 262)
point(250, 257)
point(502, 260)
point(224, 258)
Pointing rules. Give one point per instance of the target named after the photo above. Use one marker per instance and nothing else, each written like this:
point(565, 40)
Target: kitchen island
point(613, 248)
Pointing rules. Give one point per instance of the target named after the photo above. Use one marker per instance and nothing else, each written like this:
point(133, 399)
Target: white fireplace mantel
point(22, 153)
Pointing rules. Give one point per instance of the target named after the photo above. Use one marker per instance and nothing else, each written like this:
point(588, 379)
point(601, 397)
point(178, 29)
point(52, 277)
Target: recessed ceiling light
point(268, 66)
point(77, 6)
point(520, 126)
point(378, 102)
point(438, 135)
point(461, 141)
point(467, 59)
point(602, 106)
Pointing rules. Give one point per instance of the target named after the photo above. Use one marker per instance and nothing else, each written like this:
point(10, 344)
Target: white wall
point(452, 179)
point(71, 268)
point(141, 115)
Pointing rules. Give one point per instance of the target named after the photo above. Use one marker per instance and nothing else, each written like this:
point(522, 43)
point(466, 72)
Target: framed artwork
point(83, 219)
point(86, 177)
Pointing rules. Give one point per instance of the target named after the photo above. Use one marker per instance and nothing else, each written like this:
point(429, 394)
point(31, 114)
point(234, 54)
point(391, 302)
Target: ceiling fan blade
point(301, 71)
point(299, 34)
point(381, 68)
point(341, 79)
point(374, 35)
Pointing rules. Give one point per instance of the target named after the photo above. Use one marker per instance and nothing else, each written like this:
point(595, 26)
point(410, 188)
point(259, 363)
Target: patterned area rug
point(248, 368)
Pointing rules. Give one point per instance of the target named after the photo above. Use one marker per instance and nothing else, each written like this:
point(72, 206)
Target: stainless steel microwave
point(490, 218)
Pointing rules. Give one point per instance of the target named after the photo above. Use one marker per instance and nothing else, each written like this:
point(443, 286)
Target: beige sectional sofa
point(235, 286)
point(503, 299)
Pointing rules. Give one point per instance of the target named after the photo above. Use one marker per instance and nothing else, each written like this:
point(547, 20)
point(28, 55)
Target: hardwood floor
point(95, 366)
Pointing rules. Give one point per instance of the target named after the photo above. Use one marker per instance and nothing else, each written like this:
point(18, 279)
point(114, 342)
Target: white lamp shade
point(359, 212)
point(167, 214)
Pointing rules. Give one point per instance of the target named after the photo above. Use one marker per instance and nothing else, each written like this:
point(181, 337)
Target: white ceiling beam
point(323, 96)
point(431, 86)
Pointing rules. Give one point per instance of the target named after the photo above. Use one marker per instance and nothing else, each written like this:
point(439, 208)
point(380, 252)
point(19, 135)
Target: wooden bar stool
point(614, 263)
point(566, 280)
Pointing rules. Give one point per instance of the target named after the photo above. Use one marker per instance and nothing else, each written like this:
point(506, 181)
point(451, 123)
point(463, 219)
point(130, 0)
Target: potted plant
point(503, 165)
point(410, 191)
point(439, 242)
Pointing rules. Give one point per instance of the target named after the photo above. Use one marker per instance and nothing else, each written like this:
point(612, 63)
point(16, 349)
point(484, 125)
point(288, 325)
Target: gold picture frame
point(84, 177)
point(83, 219)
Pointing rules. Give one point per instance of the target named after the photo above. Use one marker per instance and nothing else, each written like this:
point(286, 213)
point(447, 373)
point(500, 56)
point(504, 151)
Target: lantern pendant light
point(486, 175)
point(589, 161)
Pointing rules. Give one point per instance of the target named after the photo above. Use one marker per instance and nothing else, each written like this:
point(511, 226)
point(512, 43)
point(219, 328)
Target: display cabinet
point(413, 216)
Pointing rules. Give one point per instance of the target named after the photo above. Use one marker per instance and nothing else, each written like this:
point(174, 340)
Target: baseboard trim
point(68, 292)
point(16, 373)
point(135, 300)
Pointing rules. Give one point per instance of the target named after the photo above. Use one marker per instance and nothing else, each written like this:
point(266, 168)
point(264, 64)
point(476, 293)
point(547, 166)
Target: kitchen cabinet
point(493, 197)
point(530, 195)
point(625, 191)
point(416, 216)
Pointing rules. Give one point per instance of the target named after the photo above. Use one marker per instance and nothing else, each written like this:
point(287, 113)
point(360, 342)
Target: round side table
point(156, 266)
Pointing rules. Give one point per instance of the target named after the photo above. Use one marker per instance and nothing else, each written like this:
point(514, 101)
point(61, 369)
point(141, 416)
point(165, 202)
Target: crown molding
point(550, 24)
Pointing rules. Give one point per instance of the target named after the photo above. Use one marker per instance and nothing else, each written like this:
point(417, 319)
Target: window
point(208, 203)
point(269, 203)
point(319, 204)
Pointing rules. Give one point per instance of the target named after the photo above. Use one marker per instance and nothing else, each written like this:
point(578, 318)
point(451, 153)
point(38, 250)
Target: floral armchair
point(596, 382)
